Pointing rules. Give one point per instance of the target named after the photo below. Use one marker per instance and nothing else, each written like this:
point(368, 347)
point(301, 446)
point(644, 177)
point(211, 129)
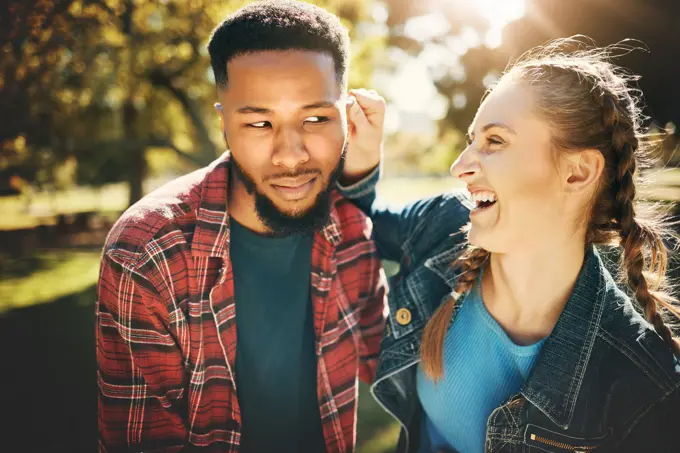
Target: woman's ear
point(583, 169)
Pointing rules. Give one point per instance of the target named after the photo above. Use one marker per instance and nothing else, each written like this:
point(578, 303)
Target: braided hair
point(471, 261)
point(589, 103)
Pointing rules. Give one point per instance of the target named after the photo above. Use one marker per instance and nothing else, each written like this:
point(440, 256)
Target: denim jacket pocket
point(542, 439)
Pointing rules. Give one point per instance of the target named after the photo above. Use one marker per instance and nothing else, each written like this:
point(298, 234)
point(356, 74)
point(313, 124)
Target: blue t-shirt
point(482, 369)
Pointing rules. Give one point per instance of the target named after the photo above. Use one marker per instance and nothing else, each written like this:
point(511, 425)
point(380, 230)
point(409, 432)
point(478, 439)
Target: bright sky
point(410, 88)
point(499, 12)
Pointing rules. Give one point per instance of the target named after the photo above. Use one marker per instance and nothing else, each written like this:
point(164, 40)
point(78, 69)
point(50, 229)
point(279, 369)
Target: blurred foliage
point(100, 91)
point(443, 61)
point(465, 46)
point(421, 155)
point(101, 82)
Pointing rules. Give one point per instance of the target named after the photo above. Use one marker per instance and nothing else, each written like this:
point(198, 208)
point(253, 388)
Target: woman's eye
point(316, 119)
point(259, 125)
point(494, 140)
point(468, 139)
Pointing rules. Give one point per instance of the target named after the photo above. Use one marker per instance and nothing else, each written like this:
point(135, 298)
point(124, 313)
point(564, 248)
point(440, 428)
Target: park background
point(103, 100)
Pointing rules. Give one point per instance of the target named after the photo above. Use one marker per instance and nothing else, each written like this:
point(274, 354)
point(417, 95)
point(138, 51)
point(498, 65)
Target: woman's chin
point(484, 238)
point(476, 237)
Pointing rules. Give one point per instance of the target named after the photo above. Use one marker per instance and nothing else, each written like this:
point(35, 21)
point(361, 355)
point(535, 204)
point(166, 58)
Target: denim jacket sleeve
point(396, 230)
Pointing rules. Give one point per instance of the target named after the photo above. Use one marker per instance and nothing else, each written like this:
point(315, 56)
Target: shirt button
point(403, 316)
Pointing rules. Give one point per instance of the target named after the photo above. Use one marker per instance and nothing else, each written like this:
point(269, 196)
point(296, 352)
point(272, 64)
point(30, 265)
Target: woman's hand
point(365, 118)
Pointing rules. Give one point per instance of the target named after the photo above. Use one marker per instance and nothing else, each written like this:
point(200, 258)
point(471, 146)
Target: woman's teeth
point(483, 198)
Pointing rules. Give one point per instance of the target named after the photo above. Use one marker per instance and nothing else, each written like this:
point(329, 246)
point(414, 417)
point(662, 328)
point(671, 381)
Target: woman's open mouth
point(483, 200)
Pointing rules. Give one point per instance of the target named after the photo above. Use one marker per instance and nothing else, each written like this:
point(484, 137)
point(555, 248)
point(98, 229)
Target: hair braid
point(432, 347)
point(637, 237)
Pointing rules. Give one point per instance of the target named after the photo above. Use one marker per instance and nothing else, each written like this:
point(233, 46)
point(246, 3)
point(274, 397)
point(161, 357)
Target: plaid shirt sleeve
point(372, 315)
point(140, 372)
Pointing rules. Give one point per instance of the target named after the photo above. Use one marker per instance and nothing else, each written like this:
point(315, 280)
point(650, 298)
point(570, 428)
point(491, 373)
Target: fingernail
point(351, 100)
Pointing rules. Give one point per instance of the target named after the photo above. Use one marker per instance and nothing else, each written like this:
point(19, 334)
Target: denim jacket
point(604, 381)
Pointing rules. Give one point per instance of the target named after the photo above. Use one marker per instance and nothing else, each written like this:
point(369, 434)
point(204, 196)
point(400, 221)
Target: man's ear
point(220, 113)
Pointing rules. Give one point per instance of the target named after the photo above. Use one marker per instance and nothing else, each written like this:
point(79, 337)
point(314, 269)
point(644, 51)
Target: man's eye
point(468, 139)
point(316, 119)
point(494, 140)
point(259, 125)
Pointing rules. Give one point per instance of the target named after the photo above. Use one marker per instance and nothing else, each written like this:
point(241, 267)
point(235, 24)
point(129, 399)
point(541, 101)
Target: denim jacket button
point(403, 316)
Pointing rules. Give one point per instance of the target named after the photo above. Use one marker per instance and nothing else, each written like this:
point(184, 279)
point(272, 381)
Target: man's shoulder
point(169, 207)
point(353, 223)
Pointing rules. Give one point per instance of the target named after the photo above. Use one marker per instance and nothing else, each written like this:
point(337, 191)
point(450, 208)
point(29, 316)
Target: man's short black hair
point(278, 25)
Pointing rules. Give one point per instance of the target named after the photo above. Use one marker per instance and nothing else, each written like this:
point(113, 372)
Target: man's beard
point(284, 224)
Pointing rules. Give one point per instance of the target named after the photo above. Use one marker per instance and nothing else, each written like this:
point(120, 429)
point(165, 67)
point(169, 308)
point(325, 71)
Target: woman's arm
point(434, 219)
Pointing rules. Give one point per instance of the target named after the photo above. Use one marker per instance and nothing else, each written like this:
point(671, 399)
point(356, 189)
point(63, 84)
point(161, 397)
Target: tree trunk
point(207, 151)
point(135, 155)
point(136, 176)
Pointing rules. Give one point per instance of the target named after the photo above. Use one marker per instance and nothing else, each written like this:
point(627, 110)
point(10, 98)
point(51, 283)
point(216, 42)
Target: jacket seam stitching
point(646, 411)
point(629, 353)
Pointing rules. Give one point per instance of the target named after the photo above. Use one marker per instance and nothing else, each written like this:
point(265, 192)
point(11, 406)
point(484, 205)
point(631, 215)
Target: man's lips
point(294, 189)
point(292, 183)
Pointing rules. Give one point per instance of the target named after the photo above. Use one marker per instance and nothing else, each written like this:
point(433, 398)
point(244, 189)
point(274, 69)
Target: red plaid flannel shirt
point(166, 324)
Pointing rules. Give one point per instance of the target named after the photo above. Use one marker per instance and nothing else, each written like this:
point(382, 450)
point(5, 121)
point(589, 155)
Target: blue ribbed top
point(483, 367)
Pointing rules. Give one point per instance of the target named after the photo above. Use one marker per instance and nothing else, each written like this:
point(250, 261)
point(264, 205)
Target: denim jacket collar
point(556, 379)
point(554, 384)
point(442, 264)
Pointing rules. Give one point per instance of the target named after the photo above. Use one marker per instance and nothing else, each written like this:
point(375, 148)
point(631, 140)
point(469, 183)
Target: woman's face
point(512, 174)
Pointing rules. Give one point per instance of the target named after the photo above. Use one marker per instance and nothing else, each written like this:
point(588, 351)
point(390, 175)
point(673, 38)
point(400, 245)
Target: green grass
point(405, 190)
point(18, 213)
point(43, 208)
point(383, 441)
point(56, 274)
point(662, 185)
point(377, 431)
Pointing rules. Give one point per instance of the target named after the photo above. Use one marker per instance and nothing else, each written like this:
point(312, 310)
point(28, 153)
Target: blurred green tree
point(457, 46)
point(106, 81)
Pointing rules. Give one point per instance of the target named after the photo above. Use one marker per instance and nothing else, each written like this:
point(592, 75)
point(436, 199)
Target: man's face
point(283, 115)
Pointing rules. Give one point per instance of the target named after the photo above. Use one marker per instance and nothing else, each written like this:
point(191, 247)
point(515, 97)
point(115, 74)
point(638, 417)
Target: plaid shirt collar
point(212, 219)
